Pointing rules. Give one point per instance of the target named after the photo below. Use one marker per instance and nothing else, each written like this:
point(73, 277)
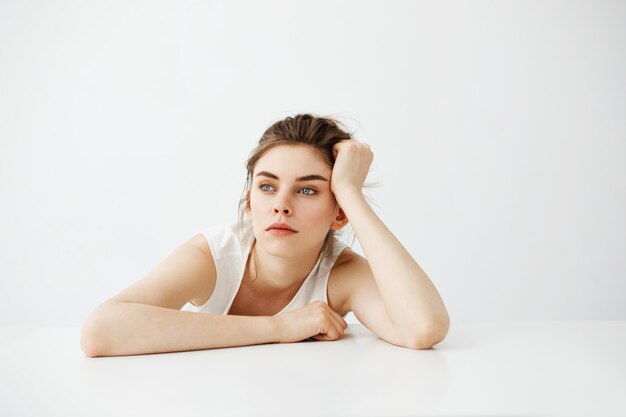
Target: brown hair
point(320, 132)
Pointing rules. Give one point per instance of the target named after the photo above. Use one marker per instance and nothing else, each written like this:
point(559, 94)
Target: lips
point(283, 226)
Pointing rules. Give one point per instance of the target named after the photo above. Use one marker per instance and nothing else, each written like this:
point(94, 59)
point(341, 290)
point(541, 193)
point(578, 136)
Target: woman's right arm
point(146, 317)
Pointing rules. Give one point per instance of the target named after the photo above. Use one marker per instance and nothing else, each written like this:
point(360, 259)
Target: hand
point(352, 163)
point(315, 320)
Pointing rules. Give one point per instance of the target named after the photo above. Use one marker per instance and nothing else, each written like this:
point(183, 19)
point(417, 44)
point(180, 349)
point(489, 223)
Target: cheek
point(322, 212)
point(256, 201)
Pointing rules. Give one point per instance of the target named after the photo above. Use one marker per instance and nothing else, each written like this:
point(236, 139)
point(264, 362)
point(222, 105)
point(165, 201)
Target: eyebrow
point(299, 179)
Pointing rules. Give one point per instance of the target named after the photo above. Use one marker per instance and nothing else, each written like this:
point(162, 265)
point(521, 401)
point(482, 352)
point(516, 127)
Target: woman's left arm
point(413, 303)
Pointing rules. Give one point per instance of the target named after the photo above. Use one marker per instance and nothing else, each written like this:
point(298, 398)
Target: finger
point(327, 336)
point(337, 146)
point(338, 323)
point(322, 337)
point(336, 329)
point(338, 317)
point(339, 320)
point(331, 328)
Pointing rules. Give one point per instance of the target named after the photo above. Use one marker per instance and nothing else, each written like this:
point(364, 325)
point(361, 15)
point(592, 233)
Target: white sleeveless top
point(230, 255)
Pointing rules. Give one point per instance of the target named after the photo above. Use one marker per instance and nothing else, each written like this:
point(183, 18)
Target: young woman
point(280, 274)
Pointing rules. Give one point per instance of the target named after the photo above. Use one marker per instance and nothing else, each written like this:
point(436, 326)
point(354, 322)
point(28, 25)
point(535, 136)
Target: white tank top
point(230, 255)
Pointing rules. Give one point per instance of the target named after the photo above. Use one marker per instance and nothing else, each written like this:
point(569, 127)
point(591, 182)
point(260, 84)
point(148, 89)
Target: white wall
point(497, 127)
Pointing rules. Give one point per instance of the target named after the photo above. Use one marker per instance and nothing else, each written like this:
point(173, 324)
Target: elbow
point(428, 335)
point(89, 348)
point(89, 342)
point(92, 338)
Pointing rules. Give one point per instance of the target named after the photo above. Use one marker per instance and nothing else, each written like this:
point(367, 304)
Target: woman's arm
point(123, 328)
point(146, 317)
point(411, 300)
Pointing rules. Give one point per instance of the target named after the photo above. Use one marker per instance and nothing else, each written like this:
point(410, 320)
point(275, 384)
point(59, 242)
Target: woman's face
point(291, 184)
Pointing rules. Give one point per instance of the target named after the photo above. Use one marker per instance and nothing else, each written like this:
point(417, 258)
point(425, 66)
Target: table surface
point(505, 368)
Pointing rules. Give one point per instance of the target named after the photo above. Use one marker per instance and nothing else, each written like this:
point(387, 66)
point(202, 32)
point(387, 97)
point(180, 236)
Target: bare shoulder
point(344, 278)
point(199, 241)
point(186, 274)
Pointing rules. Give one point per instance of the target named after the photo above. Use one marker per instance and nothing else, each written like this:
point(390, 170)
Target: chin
point(283, 249)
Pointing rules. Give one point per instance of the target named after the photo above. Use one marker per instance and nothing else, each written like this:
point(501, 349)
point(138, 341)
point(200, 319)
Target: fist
point(315, 320)
point(352, 163)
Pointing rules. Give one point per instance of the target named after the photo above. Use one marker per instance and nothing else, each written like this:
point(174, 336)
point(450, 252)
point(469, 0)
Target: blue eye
point(305, 190)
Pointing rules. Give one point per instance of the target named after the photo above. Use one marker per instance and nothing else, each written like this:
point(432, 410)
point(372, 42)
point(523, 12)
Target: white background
point(498, 130)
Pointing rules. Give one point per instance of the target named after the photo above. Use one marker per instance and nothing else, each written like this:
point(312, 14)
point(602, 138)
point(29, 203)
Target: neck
point(272, 274)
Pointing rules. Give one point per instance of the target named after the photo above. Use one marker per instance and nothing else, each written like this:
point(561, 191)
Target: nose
point(281, 205)
point(282, 209)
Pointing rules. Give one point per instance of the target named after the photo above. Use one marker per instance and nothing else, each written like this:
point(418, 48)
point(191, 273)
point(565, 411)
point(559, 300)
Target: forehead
point(292, 161)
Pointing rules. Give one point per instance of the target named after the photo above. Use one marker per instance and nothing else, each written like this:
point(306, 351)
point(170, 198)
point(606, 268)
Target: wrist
point(346, 194)
point(275, 329)
point(349, 197)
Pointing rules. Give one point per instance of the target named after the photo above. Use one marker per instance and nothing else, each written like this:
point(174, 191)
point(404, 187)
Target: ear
point(340, 219)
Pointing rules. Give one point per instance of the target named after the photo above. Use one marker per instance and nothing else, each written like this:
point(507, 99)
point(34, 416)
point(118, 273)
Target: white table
point(562, 368)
